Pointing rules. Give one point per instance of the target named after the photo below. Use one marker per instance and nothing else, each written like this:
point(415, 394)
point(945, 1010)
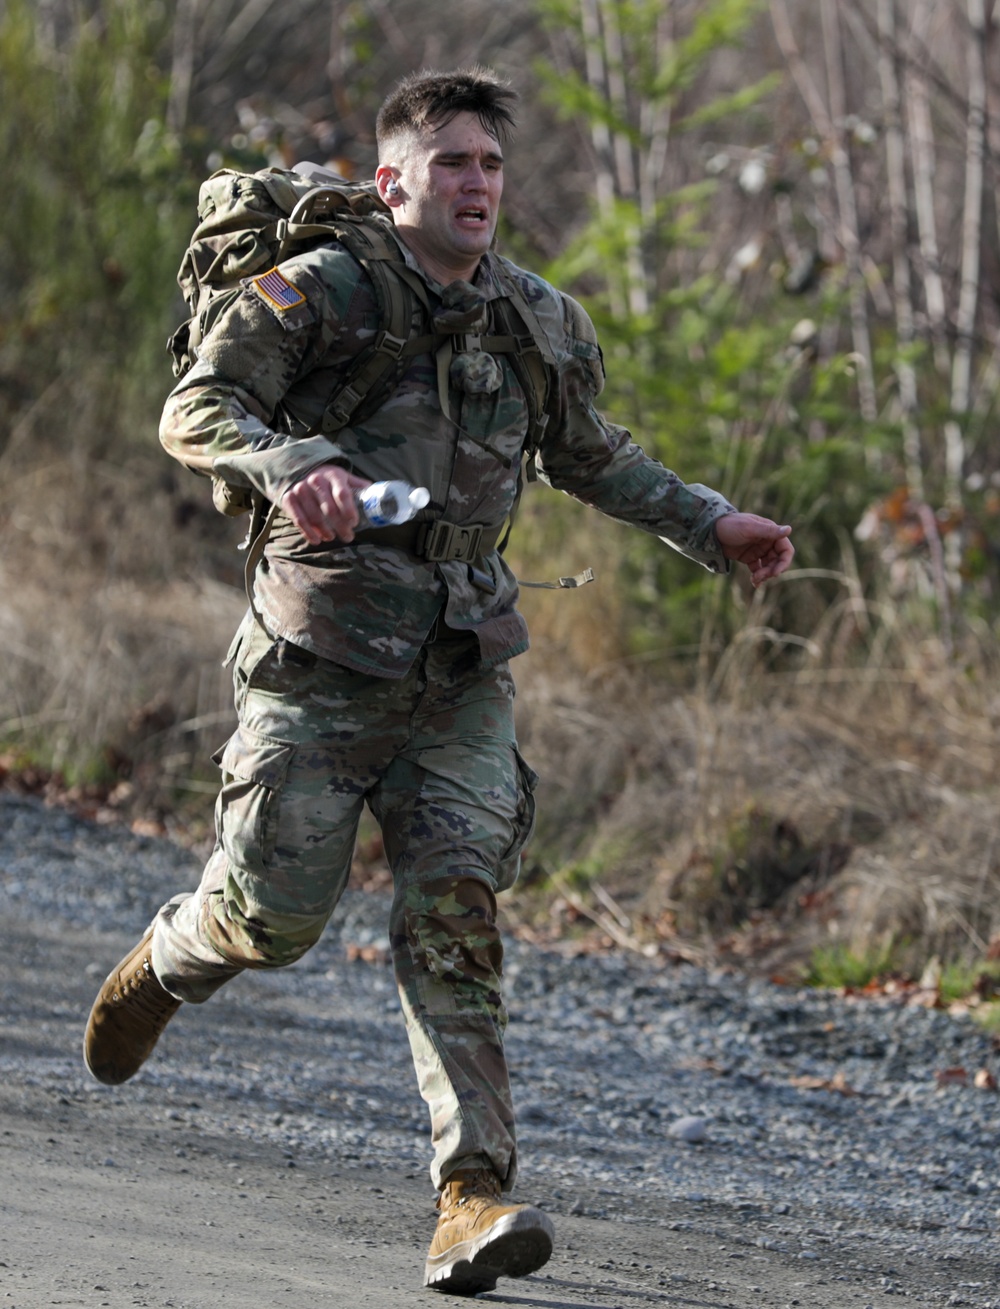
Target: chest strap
point(438, 541)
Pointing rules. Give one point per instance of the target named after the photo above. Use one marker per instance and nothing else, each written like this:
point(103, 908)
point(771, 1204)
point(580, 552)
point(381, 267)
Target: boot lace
point(144, 994)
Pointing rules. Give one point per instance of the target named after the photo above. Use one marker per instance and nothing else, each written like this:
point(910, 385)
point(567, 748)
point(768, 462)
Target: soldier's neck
point(436, 269)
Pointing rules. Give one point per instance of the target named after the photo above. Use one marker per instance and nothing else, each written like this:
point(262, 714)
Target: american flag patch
point(276, 287)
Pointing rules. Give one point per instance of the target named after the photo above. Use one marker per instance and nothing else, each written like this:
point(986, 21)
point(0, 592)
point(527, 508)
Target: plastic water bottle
point(384, 504)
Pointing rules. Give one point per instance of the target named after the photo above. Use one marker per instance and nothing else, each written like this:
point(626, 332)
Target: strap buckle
point(441, 542)
point(390, 345)
point(463, 342)
point(344, 405)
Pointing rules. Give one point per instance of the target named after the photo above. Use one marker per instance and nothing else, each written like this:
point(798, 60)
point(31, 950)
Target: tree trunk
point(972, 222)
point(625, 171)
point(899, 228)
point(181, 66)
point(923, 164)
point(847, 203)
point(604, 181)
point(829, 125)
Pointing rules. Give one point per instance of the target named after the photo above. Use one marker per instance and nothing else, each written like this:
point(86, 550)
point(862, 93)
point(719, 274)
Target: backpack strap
point(533, 362)
point(535, 367)
point(376, 368)
point(379, 365)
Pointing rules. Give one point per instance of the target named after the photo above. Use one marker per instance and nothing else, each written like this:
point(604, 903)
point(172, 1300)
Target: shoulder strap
point(533, 362)
point(380, 362)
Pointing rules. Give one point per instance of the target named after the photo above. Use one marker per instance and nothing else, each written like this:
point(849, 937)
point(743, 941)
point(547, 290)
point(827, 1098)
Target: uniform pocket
point(254, 768)
point(524, 824)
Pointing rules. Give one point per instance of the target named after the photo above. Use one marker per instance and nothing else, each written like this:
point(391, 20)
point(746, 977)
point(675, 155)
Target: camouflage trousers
point(434, 756)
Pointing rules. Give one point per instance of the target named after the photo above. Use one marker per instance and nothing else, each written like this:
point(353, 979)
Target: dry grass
point(765, 815)
point(111, 636)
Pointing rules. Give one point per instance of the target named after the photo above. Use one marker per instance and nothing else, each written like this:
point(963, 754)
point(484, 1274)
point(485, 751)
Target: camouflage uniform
point(382, 677)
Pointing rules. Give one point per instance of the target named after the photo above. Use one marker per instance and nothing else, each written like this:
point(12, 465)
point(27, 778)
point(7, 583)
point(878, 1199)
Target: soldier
point(373, 666)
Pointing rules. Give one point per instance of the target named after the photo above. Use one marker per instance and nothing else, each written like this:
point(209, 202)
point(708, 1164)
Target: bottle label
point(379, 506)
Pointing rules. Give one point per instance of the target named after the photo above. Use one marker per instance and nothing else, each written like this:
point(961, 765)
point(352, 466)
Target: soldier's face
point(450, 183)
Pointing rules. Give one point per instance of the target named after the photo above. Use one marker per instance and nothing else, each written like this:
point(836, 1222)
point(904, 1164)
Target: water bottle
point(384, 504)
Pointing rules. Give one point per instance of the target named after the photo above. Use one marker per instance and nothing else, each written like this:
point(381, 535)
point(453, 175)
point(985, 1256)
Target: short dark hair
point(433, 99)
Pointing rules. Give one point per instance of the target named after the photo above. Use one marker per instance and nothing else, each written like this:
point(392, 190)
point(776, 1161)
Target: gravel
point(645, 1091)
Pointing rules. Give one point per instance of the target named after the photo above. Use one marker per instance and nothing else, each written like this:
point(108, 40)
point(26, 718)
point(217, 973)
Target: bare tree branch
point(829, 124)
point(598, 82)
point(972, 222)
point(847, 202)
point(923, 164)
point(246, 19)
point(617, 98)
point(797, 67)
point(655, 124)
point(181, 65)
point(898, 223)
point(973, 210)
point(625, 172)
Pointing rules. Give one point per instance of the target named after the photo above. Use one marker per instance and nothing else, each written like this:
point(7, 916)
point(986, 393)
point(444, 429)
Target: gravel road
point(699, 1139)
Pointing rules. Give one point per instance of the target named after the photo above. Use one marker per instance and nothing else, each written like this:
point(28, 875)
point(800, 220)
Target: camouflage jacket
point(249, 411)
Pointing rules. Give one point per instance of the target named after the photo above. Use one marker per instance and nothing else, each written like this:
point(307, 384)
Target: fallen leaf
point(838, 1082)
point(924, 999)
point(951, 1077)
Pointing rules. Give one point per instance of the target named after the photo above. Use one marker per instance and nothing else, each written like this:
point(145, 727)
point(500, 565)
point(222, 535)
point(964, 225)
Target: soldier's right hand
point(322, 505)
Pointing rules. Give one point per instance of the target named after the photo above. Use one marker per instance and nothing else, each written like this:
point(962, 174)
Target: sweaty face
point(450, 183)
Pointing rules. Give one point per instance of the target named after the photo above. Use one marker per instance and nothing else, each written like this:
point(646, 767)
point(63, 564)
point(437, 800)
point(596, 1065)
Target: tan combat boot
point(130, 1012)
point(478, 1239)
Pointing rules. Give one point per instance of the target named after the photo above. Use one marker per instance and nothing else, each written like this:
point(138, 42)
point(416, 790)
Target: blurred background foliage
point(783, 216)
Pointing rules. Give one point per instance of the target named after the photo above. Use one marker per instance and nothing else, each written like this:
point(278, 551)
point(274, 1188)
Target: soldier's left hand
point(761, 544)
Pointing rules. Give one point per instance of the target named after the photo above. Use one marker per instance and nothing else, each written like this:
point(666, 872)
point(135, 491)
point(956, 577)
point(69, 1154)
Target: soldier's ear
point(387, 182)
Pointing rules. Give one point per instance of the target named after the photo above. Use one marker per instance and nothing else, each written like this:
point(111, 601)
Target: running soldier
point(373, 665)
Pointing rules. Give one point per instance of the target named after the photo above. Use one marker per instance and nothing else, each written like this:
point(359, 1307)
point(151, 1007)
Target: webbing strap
point(373, 251)
point(386, 351)
point(531, 367)
point(530, 320)
point(562, 583)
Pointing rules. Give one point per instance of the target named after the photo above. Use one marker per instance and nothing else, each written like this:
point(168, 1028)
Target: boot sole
point(516, 1245)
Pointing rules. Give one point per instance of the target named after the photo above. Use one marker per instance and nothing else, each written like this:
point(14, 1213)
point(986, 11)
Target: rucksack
point(249, 222)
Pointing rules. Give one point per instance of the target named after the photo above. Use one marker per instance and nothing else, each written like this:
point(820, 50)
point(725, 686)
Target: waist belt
point(437, 542)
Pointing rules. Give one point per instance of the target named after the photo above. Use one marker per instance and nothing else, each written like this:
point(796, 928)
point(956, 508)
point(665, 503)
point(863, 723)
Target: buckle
point(344, 404)
point(466, 341)
point(390, 345)
point(443, 542)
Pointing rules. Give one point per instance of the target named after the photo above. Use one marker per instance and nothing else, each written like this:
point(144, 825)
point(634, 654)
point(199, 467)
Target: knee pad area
point(258, 940)
point(446, 931)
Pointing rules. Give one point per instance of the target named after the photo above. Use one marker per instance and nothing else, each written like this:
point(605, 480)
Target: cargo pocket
point(524, 824)
point(254, 768)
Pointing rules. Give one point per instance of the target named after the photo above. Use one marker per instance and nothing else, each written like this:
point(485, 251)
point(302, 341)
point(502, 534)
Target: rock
point(691, 1130)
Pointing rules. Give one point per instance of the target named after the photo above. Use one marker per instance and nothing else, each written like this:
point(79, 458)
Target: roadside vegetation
point(784, 218)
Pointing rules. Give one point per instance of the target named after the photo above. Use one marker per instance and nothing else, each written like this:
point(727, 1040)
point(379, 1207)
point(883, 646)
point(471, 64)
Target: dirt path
point(143, 1195)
